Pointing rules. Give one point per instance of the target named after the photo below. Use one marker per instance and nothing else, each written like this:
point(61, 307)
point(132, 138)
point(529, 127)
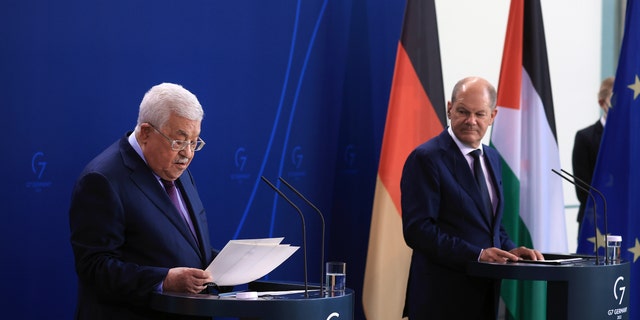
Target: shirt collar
point(465, 149)
point(133, 141)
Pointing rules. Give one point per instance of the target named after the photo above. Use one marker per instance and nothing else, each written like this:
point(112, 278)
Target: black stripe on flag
point(534, 58)
point(420, 40)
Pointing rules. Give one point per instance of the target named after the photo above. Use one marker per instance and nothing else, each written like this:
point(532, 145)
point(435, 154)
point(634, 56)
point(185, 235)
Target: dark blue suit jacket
point(126, 234)
point(444, 224)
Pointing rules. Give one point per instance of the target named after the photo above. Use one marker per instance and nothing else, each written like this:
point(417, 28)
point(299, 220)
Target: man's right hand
point(189, 280)
point(494, 254)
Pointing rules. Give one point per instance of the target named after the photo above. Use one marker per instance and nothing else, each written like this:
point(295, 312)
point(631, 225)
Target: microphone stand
point(304, 232)
point(322, 220)
point(595, 216)
point(604, 212)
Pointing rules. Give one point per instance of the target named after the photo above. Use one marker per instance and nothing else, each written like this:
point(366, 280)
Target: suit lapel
point(194, 205)
point(463, 174)
point(146, 181)
point(493, 161)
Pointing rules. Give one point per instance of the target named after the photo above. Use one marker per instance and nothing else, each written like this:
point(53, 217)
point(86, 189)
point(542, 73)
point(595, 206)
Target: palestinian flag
point(416, 113)
point(524, 133)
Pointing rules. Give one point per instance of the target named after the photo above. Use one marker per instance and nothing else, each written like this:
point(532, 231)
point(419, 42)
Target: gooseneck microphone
point(604, 202)
point(322, 220)
point(595, 216)
point(304, 232)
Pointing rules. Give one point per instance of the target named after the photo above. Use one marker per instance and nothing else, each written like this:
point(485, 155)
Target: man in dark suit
point(128, 237)
point(587, 144)
point(450, 218)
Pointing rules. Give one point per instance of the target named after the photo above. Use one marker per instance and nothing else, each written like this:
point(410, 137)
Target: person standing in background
point(587, 144)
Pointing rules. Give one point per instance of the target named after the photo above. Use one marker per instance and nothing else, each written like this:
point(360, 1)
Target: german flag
point(416, 113)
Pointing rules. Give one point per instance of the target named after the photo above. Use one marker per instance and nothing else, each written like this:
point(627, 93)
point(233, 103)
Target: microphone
point(595, 219)
point(322, 219)
point(304, 232)
point(604, 203)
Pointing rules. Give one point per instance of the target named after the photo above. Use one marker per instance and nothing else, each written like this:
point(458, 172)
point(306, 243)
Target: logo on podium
point(618, 293)
point(333, 315)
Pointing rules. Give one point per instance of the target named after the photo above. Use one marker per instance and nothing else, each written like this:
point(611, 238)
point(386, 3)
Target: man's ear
point(494, 112)
point(144, 132)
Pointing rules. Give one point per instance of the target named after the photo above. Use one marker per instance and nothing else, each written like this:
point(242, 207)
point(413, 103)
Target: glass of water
point(335, 278)
point(613, 248)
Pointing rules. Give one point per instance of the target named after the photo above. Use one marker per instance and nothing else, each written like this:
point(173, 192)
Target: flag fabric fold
point(617, 171)
point(524, 133)
point(416, 113)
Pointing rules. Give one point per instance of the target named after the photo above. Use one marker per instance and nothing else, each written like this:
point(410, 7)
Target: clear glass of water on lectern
point(336, 278)
point(613, 248)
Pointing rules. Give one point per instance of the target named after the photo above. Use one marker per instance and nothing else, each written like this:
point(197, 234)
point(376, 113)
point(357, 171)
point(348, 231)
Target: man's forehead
point(459, 103)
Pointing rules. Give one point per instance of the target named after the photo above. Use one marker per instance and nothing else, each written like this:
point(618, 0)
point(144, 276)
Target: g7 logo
point(333, 315)
point(296, 156)
point(38, 166)
point(240, 158)
point(616, 289)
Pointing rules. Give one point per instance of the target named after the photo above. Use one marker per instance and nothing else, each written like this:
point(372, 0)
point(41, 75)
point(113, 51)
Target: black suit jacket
point(445, 225)
point(585, 154)
point(126, 234)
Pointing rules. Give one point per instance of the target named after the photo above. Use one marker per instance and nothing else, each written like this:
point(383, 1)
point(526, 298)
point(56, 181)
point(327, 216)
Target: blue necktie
point(481, 182)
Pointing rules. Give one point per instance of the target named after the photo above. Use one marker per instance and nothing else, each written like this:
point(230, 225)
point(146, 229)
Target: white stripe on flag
point(525, 141)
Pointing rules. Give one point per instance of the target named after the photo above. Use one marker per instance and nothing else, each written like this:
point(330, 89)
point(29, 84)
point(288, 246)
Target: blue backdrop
point(297, 89)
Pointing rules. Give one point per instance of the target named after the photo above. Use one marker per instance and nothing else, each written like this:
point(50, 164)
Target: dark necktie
point(481, 182)
point(172, 191)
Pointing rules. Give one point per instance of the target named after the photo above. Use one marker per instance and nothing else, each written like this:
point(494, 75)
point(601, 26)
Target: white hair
point(165, 99)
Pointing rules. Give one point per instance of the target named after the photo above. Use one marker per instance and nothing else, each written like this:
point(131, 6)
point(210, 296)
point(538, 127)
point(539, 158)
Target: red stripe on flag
point(511, 70)
point(411, 120)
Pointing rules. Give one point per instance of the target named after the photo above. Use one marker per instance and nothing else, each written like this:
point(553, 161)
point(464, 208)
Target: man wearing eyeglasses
point(137, 223)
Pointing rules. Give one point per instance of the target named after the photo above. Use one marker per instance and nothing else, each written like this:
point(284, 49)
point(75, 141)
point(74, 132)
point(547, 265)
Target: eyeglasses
point(179, 145)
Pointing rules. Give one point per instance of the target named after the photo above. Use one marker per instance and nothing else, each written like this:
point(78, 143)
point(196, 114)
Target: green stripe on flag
point(511, 220)
point(523, 299)
point(531, 303)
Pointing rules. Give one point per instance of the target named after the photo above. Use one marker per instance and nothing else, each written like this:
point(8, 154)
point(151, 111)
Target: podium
point(290, 306)
point(580, 290)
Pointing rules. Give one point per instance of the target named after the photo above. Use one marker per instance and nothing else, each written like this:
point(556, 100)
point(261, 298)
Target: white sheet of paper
point(246, 260)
